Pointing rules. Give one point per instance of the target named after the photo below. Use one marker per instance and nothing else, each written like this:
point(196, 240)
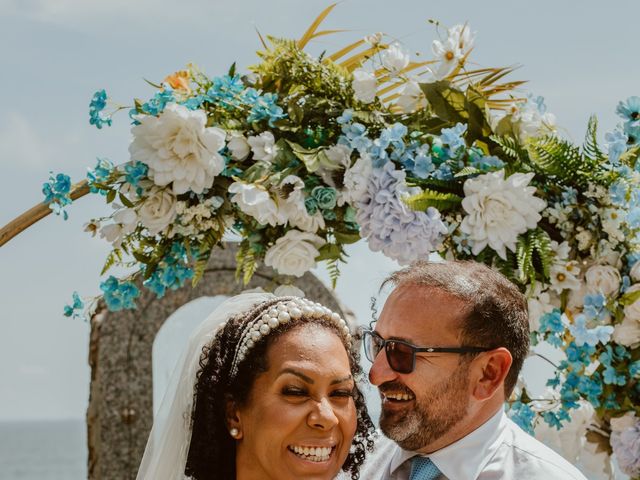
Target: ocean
point(46, 450)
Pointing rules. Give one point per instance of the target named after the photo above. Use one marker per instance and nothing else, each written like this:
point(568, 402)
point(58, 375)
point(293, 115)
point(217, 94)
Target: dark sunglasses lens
point(372, 345)
point(400, 357)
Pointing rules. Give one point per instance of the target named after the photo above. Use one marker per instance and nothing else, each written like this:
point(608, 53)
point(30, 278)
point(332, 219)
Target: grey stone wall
point(120, 412)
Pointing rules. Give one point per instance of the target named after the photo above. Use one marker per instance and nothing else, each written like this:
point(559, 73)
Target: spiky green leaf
point(431, 198)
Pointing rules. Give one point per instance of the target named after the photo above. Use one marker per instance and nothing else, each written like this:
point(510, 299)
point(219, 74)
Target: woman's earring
point(234, 432)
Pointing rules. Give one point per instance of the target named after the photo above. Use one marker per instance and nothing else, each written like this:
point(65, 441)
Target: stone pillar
point(120, 412)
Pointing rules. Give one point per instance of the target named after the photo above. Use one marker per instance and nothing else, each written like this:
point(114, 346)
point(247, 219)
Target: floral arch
point(302, 155)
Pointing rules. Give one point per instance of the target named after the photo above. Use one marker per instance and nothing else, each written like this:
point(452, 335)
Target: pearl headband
point(278, 314)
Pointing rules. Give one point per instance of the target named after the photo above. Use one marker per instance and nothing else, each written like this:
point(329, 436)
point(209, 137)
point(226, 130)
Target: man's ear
point(232, 418)
point(491, 369)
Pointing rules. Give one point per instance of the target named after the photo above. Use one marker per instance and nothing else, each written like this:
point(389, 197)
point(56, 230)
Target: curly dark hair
point(212, 450)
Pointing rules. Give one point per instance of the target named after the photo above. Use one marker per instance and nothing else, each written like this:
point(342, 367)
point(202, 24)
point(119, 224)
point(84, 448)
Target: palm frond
point(311, 31)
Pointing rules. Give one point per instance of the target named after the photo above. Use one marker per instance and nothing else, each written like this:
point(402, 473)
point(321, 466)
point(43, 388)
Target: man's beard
point(436, 412)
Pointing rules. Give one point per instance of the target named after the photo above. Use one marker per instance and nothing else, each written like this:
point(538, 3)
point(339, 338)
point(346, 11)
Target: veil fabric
point(165, 455)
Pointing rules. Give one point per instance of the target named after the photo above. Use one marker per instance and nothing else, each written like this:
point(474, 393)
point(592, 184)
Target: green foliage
point(590, 146)
point(431, 198)
point(557, 158)
point(334, 271)
point(211, 239)
point(114, 257)
point(533, 256)
point(246, 263)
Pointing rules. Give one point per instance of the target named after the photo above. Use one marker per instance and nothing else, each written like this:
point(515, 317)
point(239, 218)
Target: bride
point(265, 390)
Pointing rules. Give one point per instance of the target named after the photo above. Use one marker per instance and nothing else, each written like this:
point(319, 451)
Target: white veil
point(165, 455)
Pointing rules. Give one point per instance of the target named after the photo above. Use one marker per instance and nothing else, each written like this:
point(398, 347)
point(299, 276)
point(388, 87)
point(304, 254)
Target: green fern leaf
point(590, 146)
point(430, 198)
point(114, 257)
point(334, 271)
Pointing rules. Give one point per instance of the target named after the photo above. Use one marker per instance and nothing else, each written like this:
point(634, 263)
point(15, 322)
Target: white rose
point(255, 201)
point(635, 272)
point(238, 146)
point(395, 59)
point(293, 210)
point(604, 279)
point(627, 333)
point(364, 85)
point(263, 146)
point(356, 181)
point(179, 148)
point(336, 157)
point(295, 253)
point(411, 97)
point(288, 291)
point(158, 210)
point(633, 311)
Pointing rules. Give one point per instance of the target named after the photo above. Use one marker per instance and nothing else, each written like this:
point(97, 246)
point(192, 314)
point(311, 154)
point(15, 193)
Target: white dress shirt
point(497, 450)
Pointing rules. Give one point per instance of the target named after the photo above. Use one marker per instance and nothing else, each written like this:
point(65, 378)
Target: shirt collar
point(467, 457)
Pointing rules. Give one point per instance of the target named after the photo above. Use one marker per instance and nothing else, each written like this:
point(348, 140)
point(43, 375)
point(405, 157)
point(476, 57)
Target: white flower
point(584, 240)
point(293, 210)
point(288, 291)
point(263, 146)
point(612, 223)
point(364, 85)
point(238, 146)
point(356, 181)
point(125, 221)
point(158, 210)
point(449, 55)
point(626, 447)
point(604, 279)
point(531, 119)
point(563, 276)
point(498, 210)
point(635, 272)
point(374, 39)
point(539, 302)
point(561, 251)
point(569, 440)
point(594, 462)
point(411, 97)
point(628, 420)
point(179, 148)
point(627, 332)
point(633, 311)
point(463, 36)
point(395, 59)
point(255, 202)
point(295, 253)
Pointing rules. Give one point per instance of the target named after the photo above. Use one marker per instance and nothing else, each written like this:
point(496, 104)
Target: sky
point(56, 53)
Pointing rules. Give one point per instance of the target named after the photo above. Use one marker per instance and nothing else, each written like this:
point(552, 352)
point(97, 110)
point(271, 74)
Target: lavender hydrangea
point(391, 226)
point(626, 446)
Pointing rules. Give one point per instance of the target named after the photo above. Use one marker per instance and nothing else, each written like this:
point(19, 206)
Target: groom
point(446, 353)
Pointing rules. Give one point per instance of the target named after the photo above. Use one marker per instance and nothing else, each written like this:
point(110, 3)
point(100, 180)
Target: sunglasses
point(401, 355)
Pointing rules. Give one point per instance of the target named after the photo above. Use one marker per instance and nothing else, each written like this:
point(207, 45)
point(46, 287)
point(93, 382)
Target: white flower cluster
point(392, 227)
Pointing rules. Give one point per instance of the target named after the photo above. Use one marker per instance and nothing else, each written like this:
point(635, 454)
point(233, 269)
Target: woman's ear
point(232, 418)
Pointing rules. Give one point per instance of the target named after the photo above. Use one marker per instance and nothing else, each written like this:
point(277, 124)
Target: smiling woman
point(270, 386)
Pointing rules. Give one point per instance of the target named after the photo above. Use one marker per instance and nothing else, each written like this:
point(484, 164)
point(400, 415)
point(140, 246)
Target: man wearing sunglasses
point(446, 353)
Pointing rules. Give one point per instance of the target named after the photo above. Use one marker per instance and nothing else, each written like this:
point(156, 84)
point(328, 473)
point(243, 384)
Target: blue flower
point(96, 115)
point(453, 136)
point(633, 217)
point(632, 130)
point(555, 419)
point(423, 166)
point(56, 193)
point(552, 322)
point(73, 309)
point(135, 172)
point(634, 370)
point(594, 306)
point(569, 196)
point(616, 142)
point(522, 415)
point(443, 172)
point(227, 90)
point(629, 109)
point(265, 107)
point(119, 295)
point(618, 193)
point(171, 272)
point(346, 117)
point(486, 163)
point(100, 174)
point(155, 106)
point(593, 336)
point(194, 103)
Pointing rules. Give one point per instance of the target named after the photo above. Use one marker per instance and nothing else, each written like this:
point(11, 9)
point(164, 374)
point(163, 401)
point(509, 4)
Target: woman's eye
point(294, 392)
point(343, 393)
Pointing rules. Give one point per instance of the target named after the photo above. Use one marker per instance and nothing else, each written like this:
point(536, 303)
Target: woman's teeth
point(314, 454)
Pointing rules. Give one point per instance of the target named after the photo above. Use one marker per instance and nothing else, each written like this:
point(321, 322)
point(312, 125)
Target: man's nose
point(380, 371)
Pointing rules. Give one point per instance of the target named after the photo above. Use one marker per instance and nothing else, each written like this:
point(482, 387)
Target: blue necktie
point(423, 469)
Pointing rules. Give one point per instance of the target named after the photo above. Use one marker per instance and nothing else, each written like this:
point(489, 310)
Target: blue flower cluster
point(171, 272)
point(230, 92)
point(99, 175)
point(156, 105)
point(119, 295)
point(74, 310)
point(97, 116)
point(522, 415)
point(56, 193)
point(589, 336)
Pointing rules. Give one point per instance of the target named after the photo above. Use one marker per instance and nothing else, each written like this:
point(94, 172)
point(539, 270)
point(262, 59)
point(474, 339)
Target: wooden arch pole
point(37, 213)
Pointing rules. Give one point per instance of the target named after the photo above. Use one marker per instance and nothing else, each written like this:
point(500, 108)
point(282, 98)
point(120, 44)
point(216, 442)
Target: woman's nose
point(322, 416)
